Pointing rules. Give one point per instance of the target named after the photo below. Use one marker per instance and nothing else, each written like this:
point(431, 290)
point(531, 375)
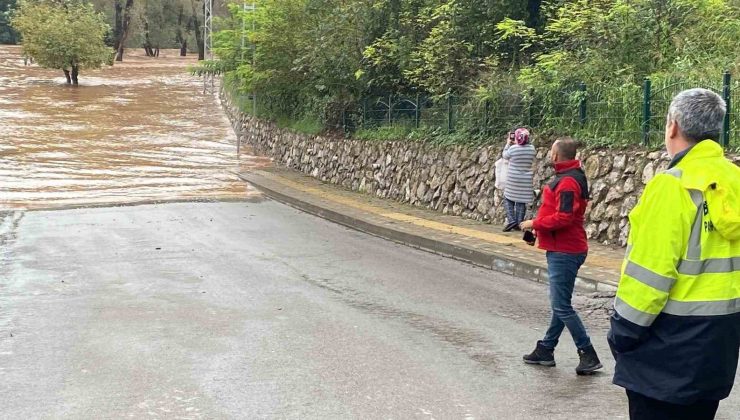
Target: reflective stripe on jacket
point(676, 329)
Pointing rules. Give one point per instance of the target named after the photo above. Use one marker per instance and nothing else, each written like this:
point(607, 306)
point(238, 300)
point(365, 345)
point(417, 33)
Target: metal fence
point(632, 116)
point(626, 115)
point(656, 103)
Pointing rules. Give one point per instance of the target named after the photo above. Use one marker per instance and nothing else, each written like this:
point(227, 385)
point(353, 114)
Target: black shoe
point(540, 356)
point(590, 362)
point(511, 226)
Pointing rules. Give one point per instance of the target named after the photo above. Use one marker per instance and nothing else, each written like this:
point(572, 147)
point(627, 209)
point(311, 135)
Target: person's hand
point(526, 225)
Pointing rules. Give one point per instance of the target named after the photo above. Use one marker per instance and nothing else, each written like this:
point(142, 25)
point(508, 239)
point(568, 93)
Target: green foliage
point(7, 34)
point(157, 22)
point(306, 124)
point(63, 34)
point(611, 46)
point(525, 59)
point(621, 42)
point(443, 62)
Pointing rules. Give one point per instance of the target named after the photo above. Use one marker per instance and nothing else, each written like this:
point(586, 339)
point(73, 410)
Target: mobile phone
point(529, 237)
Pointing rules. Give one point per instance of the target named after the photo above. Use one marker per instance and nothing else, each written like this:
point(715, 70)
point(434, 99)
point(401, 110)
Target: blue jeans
point(563, 269)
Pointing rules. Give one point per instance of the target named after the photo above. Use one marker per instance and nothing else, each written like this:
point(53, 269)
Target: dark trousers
point(515, 212)
point(646, 408)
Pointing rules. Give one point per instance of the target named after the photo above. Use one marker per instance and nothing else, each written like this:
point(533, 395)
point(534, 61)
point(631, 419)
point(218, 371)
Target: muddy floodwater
point(139, 131)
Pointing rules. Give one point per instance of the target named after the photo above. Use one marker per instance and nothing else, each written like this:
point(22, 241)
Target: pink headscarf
point(521, 136)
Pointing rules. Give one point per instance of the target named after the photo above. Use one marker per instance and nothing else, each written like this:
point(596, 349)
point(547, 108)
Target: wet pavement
point(256, 310)
point(225, 309)
point(139, 131)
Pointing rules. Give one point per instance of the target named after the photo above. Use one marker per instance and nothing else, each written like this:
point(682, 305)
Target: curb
point(496, 262)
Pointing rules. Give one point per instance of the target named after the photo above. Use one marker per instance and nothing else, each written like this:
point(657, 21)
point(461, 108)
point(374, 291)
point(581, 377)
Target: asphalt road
point(255, 310)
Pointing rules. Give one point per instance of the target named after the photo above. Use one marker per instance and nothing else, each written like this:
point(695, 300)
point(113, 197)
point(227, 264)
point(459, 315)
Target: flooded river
point(140, 131)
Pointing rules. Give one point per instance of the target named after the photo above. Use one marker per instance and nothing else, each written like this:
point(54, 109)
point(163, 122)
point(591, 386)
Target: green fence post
point(726, 96)
point(390, 110)
point(646, 112)
point(529, 107)
point(344, 120)
point(449, 113)
point(582, 104)
point(487, 117)
point(417, 111)
point(364, 111)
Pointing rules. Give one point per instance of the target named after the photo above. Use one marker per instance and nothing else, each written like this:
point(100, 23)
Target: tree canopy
point(313, 56)
point(67, 35)
point(149, 24)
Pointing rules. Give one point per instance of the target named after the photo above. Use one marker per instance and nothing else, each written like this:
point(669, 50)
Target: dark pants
point(563, 269)
point(515, 212)
point(645, 408)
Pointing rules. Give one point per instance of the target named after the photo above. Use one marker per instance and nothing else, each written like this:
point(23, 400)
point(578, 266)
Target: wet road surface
point(255, 310)
point(138, 131)
point(234, 309)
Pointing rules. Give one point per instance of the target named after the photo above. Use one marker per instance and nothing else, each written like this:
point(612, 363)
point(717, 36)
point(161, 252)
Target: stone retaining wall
point(455, 180)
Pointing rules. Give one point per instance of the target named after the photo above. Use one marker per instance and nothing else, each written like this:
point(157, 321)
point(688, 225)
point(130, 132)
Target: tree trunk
point(125, 23)
point(534, 13)
point(198, 29)
point(147, 43)
point(118, 30)
point(75, 73)
point(66, 74)
point(199, 41)
point(181, 39)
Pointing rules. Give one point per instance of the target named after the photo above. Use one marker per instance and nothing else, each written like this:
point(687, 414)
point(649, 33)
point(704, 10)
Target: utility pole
point(209, 79)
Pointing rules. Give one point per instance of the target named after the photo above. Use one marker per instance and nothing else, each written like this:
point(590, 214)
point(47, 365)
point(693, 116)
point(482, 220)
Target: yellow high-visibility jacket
point(676, 329)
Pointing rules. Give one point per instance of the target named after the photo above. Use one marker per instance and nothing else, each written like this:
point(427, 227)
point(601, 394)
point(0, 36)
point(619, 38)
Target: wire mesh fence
point(624, 115)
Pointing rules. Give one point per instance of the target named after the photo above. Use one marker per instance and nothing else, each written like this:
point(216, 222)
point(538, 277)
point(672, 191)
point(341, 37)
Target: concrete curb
point(489, 260)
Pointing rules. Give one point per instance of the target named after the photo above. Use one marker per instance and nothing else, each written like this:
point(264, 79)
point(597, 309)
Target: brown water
point(137, 132)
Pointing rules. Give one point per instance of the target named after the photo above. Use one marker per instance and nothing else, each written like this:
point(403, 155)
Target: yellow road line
point(473, 233)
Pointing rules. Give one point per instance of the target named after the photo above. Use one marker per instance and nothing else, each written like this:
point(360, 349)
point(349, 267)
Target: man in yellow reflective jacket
point(675, 333)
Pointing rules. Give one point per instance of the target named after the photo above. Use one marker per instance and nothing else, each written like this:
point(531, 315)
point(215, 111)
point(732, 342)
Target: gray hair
point(699, 113)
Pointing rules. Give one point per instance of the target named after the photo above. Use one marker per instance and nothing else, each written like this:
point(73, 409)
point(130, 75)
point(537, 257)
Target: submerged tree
point(183, 28)
point(123, 16)
point(67, 35)
point(159, 25)
point(195, 24)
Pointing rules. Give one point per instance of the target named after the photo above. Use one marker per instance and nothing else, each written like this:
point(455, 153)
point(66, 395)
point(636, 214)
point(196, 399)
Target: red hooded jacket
point(559, 222)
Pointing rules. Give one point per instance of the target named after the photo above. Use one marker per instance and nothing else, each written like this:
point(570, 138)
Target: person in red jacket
point(559, 227)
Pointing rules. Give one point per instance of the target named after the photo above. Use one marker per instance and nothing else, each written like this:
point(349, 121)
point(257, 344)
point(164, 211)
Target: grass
point(383, 133)
point(305, 125)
